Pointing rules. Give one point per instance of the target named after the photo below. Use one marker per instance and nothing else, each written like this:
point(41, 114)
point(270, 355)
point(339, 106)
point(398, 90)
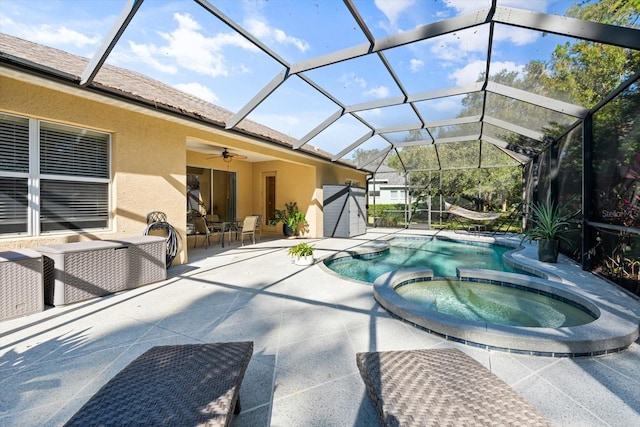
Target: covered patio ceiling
point(361, 79)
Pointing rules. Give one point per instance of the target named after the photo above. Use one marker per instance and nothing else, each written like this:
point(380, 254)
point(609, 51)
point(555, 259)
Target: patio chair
point(259, 226)
point(200, 227)
point(440, 387)
point(178, 385)
point(248, 228)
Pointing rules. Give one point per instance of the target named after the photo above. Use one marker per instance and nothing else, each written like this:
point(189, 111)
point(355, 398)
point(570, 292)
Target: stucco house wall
point(149, 159)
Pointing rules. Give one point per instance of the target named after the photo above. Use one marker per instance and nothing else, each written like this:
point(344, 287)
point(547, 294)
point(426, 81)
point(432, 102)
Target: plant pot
point(286, 230)
point(548, 250)
point(304, 260)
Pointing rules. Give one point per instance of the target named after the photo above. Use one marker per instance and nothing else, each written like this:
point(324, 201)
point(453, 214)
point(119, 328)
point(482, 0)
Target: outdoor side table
point(91, 269)
point(21, 283)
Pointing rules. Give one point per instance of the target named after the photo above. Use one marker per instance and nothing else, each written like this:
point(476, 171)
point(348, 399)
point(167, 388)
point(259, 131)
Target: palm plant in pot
point(290, 217)
point(549, 226)
point(302, 253)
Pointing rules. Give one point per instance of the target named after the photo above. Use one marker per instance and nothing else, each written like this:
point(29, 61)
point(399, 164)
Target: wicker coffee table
point(442, 387)
point(178, 385)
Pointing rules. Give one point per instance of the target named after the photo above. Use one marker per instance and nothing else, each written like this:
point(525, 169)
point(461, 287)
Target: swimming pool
point(443, 256)
point(599, 329)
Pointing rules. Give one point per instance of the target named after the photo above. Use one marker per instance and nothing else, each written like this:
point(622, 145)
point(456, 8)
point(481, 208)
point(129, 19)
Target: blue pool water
point(441, 255)
point(494, 304)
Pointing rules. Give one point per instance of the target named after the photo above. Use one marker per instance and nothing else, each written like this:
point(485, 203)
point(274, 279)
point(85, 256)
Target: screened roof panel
point(454, 59)
point(511, 138)
point(490, 155)
point(451, 131)
point(374, 163)
point(390, 117)
point(185, 46)
point(78, 30)
point(459, 154)
point(251, 57)
point(407, 136)
point(368, 151)
point(357, 80)
point(419, 157)
point(450, 107)
point(510, 67)
point(612, 16)
point(526, 115)
point(392, 17)
point(285, 29)
point(294, 108)
point(340, 134)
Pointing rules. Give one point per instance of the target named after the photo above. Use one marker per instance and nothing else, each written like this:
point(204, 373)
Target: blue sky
point(181, 44)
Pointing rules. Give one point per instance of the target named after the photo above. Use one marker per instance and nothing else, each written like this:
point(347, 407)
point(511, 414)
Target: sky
point(181, 44)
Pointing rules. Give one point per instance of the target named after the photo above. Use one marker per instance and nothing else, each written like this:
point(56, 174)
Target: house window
point(52, 177)
point(394, 194)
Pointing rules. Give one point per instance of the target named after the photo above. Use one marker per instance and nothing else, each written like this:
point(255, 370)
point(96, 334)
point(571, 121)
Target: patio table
point(227, 225)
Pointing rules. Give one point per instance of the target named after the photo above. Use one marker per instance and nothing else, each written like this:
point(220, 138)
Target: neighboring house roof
point(134, 85)
point(391, 176)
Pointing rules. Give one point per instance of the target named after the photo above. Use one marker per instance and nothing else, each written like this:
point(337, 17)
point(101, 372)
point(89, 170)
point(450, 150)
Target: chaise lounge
point(177, 385)
point(442, 387)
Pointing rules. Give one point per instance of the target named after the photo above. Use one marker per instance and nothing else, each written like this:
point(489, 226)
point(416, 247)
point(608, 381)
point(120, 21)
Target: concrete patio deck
point(306, 324)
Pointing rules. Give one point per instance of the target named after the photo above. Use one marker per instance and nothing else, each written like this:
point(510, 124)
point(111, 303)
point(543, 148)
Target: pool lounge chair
point(441, 387)
point(177, 385)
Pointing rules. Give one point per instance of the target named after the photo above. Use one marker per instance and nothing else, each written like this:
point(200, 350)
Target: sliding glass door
point(211, 192)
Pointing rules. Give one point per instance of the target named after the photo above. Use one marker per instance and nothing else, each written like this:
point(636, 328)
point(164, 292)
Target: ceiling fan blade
point(237, 156)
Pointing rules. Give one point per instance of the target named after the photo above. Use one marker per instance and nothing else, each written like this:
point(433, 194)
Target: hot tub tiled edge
point(609, 333)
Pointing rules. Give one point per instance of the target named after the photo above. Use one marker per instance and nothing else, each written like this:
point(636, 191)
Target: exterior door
point(269, 197)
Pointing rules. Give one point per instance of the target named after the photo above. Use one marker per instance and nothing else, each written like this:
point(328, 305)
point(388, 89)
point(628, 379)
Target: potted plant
point(549, 224)
point(290, 217)
point(302, 254)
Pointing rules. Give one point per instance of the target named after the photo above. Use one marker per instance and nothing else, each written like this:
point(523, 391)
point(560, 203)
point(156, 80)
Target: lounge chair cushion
point(441, 387)
point(178, 385)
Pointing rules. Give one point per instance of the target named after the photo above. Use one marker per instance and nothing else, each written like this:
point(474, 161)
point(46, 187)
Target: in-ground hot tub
point(600, 332)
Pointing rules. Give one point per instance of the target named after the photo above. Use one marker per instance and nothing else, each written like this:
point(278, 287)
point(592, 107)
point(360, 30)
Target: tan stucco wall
point(150, 158)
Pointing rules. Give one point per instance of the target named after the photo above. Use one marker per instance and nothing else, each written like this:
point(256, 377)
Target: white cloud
point(199, 91)
point(470, 73)
point(188, 48)
point(416, 65)
point(47, 34)
point(392, 9)
point(518, 36)
point(261, 29)
point(446, 105)
point(379, 92)
point(146, 54)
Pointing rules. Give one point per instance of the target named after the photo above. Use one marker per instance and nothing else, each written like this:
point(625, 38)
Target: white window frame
point(34, 179)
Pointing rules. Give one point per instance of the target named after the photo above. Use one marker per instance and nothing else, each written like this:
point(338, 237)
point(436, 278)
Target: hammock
point(466, 213)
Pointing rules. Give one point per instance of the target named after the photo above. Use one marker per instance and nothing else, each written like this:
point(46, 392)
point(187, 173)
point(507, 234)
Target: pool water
point(495, 304)
point(441, 255)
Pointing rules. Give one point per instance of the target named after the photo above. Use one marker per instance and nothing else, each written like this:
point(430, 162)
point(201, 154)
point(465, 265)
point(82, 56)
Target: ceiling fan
point(228, 156)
